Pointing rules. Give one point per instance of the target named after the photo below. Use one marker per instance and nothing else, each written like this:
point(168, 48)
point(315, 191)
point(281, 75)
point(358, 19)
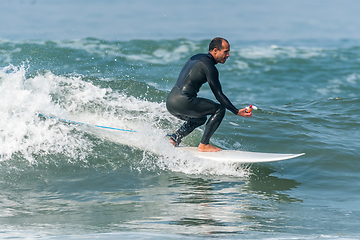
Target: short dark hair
point(217, 43)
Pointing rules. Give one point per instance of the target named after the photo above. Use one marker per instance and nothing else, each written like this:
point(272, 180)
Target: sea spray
point(75, 100)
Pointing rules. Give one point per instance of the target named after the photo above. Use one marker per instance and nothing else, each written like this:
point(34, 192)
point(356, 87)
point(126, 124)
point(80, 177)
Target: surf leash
point(86, 124)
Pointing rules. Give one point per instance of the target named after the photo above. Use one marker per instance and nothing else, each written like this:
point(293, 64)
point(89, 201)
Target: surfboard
point(236, 156)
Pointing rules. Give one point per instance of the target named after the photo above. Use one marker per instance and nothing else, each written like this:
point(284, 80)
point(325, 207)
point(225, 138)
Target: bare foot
point(172, 142)
point(208, 148)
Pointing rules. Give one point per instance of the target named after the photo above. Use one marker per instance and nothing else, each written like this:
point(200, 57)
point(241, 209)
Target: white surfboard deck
point(239, 156)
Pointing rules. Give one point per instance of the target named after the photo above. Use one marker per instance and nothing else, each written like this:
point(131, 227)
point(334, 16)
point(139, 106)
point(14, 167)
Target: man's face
point(221, 55)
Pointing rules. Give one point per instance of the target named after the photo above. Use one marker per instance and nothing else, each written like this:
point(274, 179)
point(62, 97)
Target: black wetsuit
point(183, 102)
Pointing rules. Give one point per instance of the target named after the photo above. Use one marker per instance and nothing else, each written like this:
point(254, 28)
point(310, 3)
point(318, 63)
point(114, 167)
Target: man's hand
point(243, 113)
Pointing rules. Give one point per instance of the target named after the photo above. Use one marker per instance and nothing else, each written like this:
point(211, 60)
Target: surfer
point(184, 103)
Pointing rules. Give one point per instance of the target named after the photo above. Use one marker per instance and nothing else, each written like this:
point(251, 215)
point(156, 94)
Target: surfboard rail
point(237, 156)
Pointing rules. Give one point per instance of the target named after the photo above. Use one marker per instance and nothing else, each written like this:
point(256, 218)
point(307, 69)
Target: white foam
point(276, 52)
point(161, 55)
point(338, 85)
point(95, 46)
point(21, 130)
point(164, 56)
point(353, 78)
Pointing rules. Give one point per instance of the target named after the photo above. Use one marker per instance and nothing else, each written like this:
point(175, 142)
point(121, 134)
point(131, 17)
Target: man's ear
point(215, 51)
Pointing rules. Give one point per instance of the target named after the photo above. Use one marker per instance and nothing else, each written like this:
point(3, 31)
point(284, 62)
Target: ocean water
point(112, 64)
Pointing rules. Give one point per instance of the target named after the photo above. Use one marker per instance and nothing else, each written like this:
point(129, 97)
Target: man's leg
point(194, 113)
point(211, 126)
point(186, 129)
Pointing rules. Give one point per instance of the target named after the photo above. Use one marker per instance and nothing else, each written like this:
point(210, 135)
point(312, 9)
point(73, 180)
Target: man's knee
point(199, 121)
point(221, 110)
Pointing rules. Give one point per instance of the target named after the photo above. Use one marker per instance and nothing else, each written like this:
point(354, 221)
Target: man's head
point(219, 48)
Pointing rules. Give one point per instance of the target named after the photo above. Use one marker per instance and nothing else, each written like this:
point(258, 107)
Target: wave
point(160, 51)
point(112, 84)
point(274, 51)
point(26, 135)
